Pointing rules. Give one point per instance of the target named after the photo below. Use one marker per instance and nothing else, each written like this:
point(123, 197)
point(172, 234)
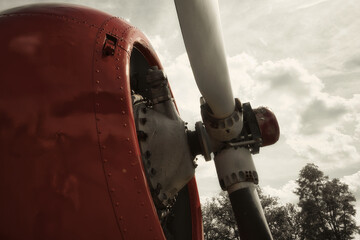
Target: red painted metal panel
point(70, 163)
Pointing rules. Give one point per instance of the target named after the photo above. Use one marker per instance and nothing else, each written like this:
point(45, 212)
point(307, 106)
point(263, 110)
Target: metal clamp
point(235, 165)
point(226, 129)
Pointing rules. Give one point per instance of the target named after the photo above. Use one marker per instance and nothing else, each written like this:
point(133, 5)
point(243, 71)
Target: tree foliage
point(219, 220)
point(325, 211)
point(327, 206)
point(282, 219)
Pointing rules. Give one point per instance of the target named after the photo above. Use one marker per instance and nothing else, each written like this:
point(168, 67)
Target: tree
point(327, 206)
point(325, 211)
point(282, 219)
point(219, 221)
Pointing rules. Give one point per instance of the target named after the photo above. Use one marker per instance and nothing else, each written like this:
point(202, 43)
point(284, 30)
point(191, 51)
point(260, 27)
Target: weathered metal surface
point(70, 165)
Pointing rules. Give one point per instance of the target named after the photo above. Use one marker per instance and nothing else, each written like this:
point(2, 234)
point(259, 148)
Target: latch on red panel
point(109, 45)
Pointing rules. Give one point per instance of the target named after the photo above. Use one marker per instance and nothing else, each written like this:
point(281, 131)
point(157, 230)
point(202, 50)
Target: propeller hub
point(225, 129)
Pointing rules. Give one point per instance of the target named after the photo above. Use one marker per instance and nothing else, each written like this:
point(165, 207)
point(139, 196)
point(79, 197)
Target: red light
point(268, 125)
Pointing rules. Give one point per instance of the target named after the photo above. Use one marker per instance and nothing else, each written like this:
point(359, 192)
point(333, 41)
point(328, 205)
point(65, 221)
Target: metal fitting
point(226, 129)
point(157, 79)
point(235, 165)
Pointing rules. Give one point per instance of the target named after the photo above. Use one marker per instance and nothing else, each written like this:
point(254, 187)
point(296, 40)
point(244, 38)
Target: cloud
point(353, 63)
point(285, 193)
point(184, 88)
point(353, 181)
point(316, 124)
point(311, 4)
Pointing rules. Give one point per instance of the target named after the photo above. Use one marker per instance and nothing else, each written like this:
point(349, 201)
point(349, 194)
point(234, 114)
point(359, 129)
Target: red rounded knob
point(268, 125)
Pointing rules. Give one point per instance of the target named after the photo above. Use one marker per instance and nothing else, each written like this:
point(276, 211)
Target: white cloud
point(353, 181)
point(317, 126)
point(311, 4)
point(314, 123)
point(184, 89)
point(285, 193)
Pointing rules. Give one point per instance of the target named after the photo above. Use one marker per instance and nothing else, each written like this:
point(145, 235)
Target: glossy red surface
point(70, 165)
point(268, 124)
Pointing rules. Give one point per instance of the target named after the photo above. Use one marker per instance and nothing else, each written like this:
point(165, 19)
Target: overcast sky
point(299, 57)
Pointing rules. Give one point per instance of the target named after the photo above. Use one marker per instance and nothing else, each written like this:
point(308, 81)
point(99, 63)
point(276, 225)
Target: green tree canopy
point(326, 206)
point(325, 211)
point(219, 220)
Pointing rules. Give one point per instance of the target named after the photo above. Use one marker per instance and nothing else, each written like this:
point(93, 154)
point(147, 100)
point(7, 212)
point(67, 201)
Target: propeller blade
point(249, 214)
point(201, 30)
point(237, 174)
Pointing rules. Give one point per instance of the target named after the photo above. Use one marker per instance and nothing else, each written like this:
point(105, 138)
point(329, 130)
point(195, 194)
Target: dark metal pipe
point(249, 214)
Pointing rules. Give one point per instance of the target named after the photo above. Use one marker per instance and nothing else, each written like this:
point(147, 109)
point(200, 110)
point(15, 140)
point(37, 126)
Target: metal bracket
point(109, 45)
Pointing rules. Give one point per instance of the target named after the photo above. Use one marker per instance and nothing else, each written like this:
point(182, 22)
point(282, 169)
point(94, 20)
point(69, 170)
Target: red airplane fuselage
point(70, 164)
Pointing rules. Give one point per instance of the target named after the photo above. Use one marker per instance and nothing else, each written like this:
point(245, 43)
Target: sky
point(301, 58)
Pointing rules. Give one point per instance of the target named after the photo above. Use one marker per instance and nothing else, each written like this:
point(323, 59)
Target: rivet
point(97, 104)
point(109, 174)
point(124, 170)
point(97, 70)
point(130, 152)
point(117, 203)
point(117, 59)
point(135, 178)
point(105, 160)
point(97, 81)
point(121, 218)
point(117, 68)
point(121, 88)
point(125, 124)
point(123, 112)
point(118, 77)
point(103, 147)
point(121, 99)
point(112, 190)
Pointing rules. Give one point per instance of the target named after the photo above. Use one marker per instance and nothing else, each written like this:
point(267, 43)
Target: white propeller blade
point(200, 26)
